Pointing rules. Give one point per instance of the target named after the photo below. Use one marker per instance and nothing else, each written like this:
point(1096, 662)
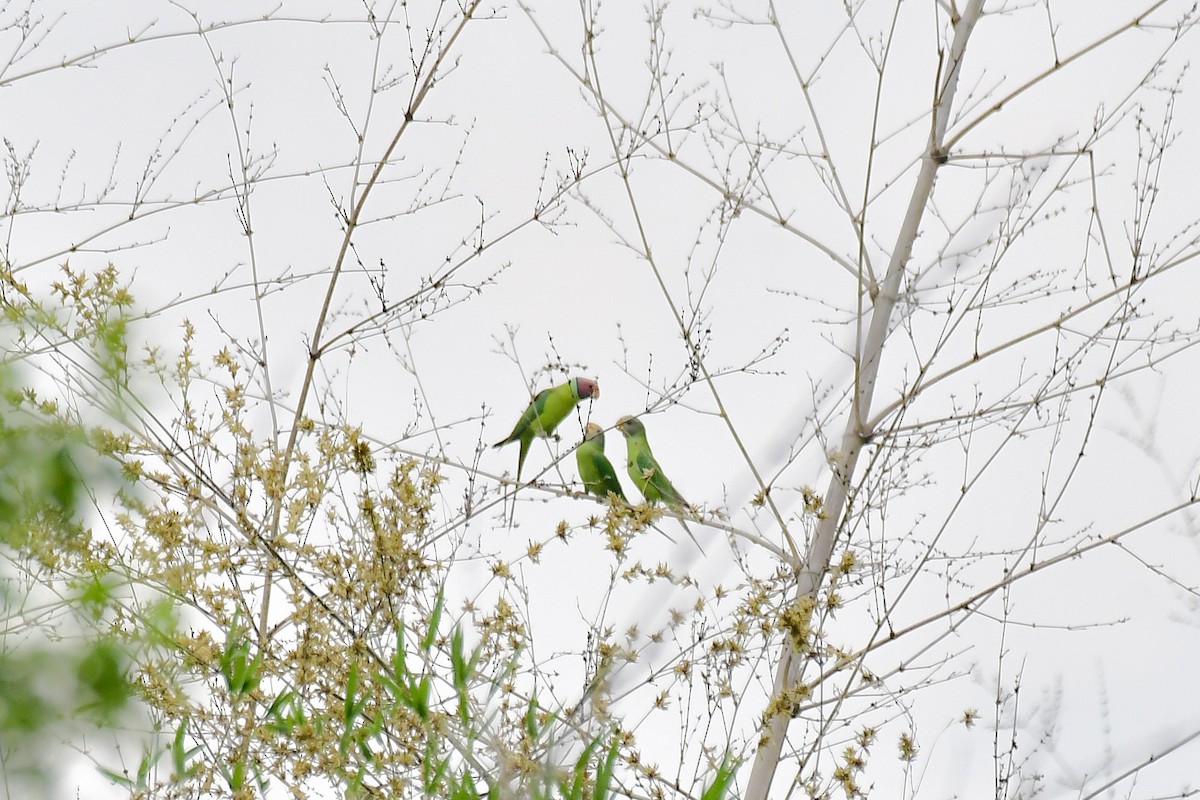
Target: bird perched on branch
point(595, 469)
point(550, 407)
point(647, 475)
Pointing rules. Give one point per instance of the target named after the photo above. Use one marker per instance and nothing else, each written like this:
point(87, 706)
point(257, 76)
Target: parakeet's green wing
point(597, 471)
point(551, 407)
point(608, 477)
point(650, 480)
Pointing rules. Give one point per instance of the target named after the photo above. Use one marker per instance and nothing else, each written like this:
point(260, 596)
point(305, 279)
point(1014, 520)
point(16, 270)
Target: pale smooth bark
point(816, 562)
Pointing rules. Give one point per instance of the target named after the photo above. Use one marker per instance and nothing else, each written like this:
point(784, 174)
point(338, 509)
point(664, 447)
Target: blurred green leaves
point(65, 663)
point(40, 485)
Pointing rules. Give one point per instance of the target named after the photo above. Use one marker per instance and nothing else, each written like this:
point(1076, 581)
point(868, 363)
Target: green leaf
point(178, 755)
point(399, 665)
point(531, 720)
point(116, 777)
point(62, 481)
point(238, 779)
point(161, 622)
point(241, 673)
point(144, 766)
point(349, 707)
point(432, 766)
point(253, 674)
point(101, 676)
point(276, 709)
point(604, 773)
point(435, 620)
point(463, 788)
point(579, 774)
point(287, 713)
point(462, 669)
point(419, 699)
point(457, 662)
point(722, 781)
point(95, 595)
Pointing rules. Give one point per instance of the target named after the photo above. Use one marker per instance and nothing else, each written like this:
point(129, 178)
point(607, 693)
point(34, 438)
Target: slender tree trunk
point(821, 548)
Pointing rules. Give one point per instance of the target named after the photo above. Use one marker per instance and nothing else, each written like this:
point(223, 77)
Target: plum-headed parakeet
point(550, 407)
point(595, 469)
point(647, 475)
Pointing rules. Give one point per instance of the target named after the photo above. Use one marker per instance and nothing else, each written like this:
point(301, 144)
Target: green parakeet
point(550, 407)
point(595, 469)
point(647, 475)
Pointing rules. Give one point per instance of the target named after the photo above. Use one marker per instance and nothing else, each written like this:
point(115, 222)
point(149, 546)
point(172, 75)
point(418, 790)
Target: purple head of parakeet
point(586, 388)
